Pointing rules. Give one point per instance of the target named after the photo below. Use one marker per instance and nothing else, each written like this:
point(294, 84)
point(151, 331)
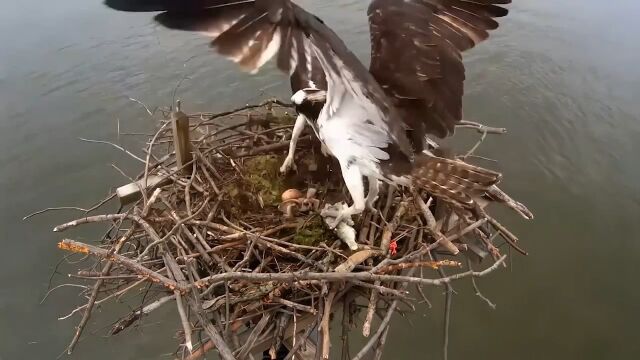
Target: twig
point(96, 288)
point(476, 146)
point(143, 105)
point(477, 290)
point(136, 315)
point(371, 307)
point(186, 325)
point(116, 146)
point(300, 341)
point(78, 247)
point(506, 234)
point(332, 277)
point(419, 264)
point(324, 324)
point(481, 128)
point(295, 305)
point(86, 211)
point(212, 332)
point(257, 331)
point(432, 226)
point(383, 325)
point(497, 194)
point(391, 226)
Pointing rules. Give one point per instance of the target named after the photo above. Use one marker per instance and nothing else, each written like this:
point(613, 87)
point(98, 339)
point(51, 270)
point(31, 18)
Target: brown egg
point(291, 194)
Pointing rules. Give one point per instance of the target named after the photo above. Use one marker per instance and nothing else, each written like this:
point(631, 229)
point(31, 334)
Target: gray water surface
point(562, 76)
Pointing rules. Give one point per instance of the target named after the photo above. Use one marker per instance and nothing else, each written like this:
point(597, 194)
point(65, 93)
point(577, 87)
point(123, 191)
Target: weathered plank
point(131, 192)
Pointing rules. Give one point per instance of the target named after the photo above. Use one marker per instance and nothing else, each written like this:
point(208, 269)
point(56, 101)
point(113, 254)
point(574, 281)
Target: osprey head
point(309, 95)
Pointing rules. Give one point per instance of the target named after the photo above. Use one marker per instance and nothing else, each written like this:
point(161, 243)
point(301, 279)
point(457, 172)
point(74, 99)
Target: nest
point(243, 251)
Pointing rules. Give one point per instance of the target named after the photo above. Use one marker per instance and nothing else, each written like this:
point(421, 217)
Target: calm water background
point(563, 76)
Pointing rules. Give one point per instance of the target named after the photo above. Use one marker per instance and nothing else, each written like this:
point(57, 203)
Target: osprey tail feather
point(452, 180)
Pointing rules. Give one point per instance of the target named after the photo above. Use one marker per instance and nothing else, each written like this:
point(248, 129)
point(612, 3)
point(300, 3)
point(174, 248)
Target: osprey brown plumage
point(416, 56)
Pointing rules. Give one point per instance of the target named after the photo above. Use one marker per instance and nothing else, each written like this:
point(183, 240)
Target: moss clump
point(313, 233)
point(281, 119)
point(263, 179)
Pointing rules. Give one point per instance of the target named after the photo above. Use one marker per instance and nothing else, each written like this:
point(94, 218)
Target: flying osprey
point(373, 121)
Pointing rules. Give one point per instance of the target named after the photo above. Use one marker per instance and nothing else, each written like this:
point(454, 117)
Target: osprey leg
point(289, 163)
point(353, 179)
point(372, 195)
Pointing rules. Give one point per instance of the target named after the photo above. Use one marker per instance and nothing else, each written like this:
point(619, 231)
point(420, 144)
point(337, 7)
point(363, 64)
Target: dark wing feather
point(214, 16)
point(251, 32)
point(416, 57)
point(165, 5)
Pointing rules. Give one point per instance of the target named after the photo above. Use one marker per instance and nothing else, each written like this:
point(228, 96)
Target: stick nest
point(247, 268)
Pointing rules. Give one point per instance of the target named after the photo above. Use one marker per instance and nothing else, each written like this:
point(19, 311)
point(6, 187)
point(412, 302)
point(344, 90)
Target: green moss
point(313, 233)
point(281, 119)
point(262, 178)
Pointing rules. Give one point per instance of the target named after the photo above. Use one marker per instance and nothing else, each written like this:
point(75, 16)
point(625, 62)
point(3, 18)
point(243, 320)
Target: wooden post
point(180, 124)
point(181, 141)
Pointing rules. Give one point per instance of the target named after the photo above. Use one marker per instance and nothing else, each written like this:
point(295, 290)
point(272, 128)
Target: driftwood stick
point(102, 218)
point(212, 332)
point(105, 271)
point(497, 194)
point(431, 224)
point(383, 325)
point(176, 274)
point(86, 211)
point(295, 305)
point(94, 293)
point(506, 234)
point(89, 219)
point(482, 129)
point(251, 340)
point(384, 245)
point(324, 324)
point(371, 309)
point(97, 302)
point(115, 146)
point(419, 264)
point(134, 316)
point(332, 277)
point(78, 247)
point(379, 346)
point(381, 289)
point(356, 259)
point(477, 289)
point(299, 341)
point(387, 234)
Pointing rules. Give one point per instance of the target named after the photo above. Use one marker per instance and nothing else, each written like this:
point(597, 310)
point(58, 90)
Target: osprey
point(373, 122)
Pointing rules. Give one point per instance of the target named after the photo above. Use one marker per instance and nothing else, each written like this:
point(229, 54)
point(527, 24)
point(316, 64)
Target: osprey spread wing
point(359, 123)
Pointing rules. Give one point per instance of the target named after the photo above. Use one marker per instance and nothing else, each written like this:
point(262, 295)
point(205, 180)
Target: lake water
point(562, 76)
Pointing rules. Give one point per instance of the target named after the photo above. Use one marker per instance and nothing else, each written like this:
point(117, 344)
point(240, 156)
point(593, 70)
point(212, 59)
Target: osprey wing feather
point(253, 32)
point(416, 57)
